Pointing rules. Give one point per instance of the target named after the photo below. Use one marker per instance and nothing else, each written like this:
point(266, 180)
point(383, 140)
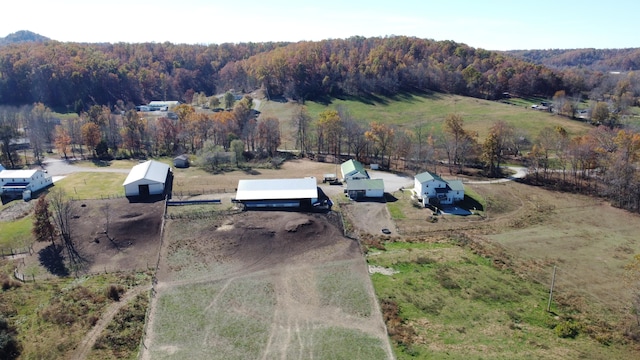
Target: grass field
point(459, 306)
point(16, 234)
point(90, 185)
point(478, 285)
point(429, 112)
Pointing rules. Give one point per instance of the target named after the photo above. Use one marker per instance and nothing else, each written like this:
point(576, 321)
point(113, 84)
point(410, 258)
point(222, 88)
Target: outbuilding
point(365, 188)
point(353, 170)
point(148, 178)
point(181, 161)
point(300, 193)
point(18, 183)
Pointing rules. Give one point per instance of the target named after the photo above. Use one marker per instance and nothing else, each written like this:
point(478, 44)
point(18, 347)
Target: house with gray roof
point(431, 189)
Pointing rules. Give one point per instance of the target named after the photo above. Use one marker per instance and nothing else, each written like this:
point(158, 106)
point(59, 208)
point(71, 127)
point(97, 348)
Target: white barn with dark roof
point(280, 193)
point(148, 178)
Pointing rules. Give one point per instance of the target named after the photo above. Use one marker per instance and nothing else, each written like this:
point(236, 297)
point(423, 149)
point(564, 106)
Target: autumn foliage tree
point(91, 136)
point(43, 229)
point(329, 132)
point(495, 145)
point(269, 135)
point(382, 136)
point(62, 140)
point(458, 142)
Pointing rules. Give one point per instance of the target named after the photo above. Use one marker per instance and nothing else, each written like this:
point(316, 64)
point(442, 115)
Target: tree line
point(106, 133)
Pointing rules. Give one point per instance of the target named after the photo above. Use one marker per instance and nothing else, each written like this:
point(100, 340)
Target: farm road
point(90, 339)
point(59, 168)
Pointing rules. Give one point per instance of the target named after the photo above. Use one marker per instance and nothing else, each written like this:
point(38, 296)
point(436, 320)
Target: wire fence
point(9, 252)
point(196, 192)
point(101, 197)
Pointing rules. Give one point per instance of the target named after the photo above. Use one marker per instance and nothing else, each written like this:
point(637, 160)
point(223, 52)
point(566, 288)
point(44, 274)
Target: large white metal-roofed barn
point(300, 193)
point(17, 183)
point(148, 178)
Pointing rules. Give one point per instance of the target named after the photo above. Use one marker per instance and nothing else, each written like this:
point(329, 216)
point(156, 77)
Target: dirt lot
point(133, 239)
point(287, 277)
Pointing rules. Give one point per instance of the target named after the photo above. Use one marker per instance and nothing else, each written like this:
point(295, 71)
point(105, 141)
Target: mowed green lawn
point(90, 185)
point(16, 234)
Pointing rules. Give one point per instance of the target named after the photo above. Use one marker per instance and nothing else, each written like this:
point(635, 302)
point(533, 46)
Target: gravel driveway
point(59, 168)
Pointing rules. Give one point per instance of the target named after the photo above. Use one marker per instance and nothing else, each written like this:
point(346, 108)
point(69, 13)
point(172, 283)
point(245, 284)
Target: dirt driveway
point(370, 217)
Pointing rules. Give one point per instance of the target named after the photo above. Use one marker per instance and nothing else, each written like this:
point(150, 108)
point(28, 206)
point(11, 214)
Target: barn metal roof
point(23, 174)
point(150, 170)
point(427, 176)
point(456, 185)
point(276, 189)
point(351, 167)
point(365, 184)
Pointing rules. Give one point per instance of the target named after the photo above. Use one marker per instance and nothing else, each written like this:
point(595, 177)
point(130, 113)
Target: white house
point(14, 183)
point(162, 105)
point(148, 178)
point(361, 188)
point(353, 170)
point(432, 189)
point(1, 167)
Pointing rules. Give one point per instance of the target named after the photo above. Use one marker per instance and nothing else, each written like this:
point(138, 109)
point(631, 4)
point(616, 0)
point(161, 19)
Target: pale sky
point(492, 25)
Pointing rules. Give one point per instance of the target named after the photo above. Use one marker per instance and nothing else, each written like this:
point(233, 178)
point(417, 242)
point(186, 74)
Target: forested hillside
point(591, 59)
point(22, 36)
point(75, 76)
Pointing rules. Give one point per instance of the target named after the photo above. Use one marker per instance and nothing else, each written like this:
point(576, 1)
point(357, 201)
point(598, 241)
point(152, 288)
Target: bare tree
point(302, 121)
point(62, 215)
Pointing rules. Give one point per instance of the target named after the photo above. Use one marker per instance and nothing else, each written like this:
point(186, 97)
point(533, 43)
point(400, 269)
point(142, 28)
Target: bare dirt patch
point(131, 243)
point(370, 217)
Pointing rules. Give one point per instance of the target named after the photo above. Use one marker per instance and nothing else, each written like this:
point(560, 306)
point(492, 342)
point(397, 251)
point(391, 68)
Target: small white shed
point(147, 178)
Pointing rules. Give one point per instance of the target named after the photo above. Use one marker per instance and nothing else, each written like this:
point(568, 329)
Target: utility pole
point(553, 281)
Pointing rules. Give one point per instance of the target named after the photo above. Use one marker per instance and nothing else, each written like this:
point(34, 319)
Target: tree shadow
point(470, 203)
point(51, 258)
point(101, 163)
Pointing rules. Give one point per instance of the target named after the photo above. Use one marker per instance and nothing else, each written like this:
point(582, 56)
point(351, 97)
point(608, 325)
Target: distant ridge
point(22, 36)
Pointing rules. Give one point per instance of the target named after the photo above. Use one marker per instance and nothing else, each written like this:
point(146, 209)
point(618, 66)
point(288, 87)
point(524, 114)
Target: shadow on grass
point(52, 260)
point(101, 163)
point(250, 171)
point(389, 197)
point(470, 203)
